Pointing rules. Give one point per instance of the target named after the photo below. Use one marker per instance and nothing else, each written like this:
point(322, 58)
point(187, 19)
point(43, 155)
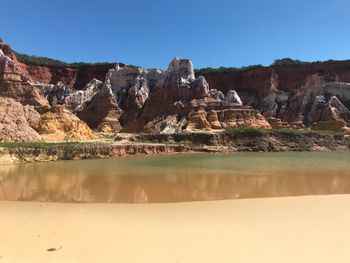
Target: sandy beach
point(292, 229)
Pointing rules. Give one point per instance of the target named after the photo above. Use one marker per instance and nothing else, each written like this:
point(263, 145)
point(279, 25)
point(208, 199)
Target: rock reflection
point(176, 178)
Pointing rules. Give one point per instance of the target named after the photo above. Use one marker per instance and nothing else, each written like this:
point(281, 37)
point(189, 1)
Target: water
point(178, 178)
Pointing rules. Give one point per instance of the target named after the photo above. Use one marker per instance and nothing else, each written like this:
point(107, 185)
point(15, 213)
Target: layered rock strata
point(59, 124)
point(15, 85)
point(18, 122)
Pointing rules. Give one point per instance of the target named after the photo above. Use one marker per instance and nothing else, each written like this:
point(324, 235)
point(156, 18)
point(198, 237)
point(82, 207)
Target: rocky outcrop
point(131, 86)
point(102, 112)
point(328, 109)
point(59, 124)
point(287, 92)
point(198, 121)
point(191, 105)
point(331, 125)
point(277, 123)
point(76, 100)
point(226, 118)
point(217, 94)
point(134, 99)
point(15, 85)
point(17, 122)
point(175, 88)
point(56, 94)
point(232, 97)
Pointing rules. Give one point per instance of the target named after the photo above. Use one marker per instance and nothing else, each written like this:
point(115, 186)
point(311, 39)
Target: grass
point(225, 69)
point(277, 63)
point(45, 61)
point(46, 145)
point(260, 131)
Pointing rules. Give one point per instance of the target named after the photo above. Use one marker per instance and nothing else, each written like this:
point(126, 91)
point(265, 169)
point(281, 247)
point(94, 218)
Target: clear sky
point(150, 33)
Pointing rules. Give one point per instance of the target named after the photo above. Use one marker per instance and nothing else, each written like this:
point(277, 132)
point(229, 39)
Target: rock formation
point(15, 85)
point(56, 94)
point(227, 118)
point(232, 97)
point(131, 87)
point(75, 100)
point(174, 88)
point(59, 124)
point(132, 99)
point(102, 112)
point(17, 121)
point(291, 93)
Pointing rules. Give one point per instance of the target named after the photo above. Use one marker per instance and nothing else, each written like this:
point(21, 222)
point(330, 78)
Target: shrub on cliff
point(45, 61)
point(288, 62)
point(225, 69)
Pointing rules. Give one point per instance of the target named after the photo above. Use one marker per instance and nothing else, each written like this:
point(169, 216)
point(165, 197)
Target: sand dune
point(292, 229)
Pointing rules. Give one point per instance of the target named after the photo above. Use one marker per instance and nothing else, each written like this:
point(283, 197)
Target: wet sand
point(289, 229)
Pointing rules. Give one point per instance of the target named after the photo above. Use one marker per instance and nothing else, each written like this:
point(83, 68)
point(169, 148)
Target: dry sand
point(292, 229)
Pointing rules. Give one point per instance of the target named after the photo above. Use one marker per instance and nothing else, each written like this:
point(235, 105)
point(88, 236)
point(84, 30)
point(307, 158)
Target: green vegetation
point(132, 66)
point(225, 70)
point(277, 62)
point(1, 40)
point(288, 62)
point(261, 131)
point(47, 145)
point(44, 61)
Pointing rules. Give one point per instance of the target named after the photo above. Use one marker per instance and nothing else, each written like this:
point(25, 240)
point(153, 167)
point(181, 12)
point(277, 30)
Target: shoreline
point(252, 140)
point(295, 229)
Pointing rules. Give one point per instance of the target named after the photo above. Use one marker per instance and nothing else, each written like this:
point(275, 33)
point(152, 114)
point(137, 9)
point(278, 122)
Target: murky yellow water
point(178, 178)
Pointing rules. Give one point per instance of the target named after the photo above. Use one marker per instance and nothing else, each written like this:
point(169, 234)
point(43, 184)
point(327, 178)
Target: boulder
point(216, 94)
point(330, 125)
point(275, 123)
point(232, 97)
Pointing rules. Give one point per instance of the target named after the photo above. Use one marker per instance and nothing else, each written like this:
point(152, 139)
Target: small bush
point(45, 61)
point(288, 62)
point(229, 69)
point(261, 131)
point(45, 145)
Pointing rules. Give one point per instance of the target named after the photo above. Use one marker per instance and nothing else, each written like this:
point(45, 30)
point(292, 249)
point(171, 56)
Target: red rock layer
point(286, 77)
point(74, 77)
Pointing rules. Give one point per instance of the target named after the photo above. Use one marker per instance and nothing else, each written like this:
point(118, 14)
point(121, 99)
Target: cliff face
point(74, 77)
point(15, 85)
point(286, 78)
point(292, 92)
point(112, 98)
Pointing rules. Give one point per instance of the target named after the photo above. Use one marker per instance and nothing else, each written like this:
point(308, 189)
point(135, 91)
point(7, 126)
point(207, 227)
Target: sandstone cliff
point(17, 122)
point(112, 98)
point(292, 93)
point(59, 124)
point(14, 84)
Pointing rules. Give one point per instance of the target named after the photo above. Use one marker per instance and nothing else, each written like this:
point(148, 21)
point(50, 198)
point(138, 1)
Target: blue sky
point(150, 33)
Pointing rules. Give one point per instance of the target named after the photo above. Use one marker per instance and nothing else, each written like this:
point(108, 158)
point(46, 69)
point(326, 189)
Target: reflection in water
point(176, 178)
